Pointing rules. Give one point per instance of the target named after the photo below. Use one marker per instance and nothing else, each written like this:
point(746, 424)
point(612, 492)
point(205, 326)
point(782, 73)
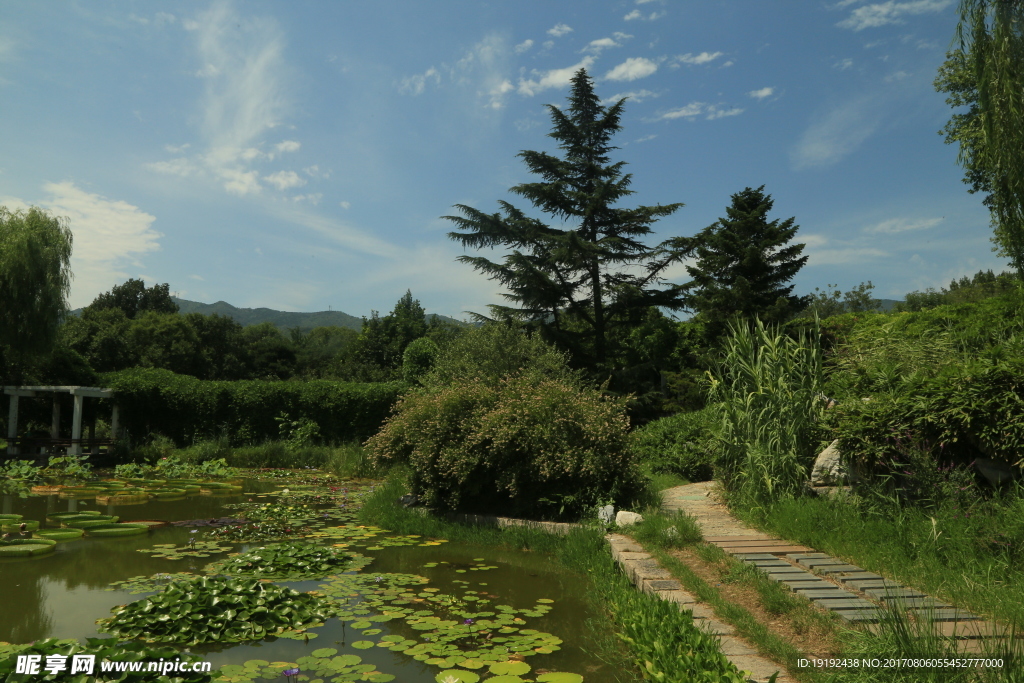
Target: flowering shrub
point(522, 446)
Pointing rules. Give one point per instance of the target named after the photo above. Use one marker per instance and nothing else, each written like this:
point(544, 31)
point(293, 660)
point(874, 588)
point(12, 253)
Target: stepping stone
point(893, 593)
point(862, 576)
point(843, 603)
point(837, 569)
point(969, 629)
point(863, 584)
point(806, 582)
point(755, 537)
point(753, 543)
point(779, 550)
point(788, 569)
point(814, 562)
point(774, 562)
point(951, 614)
point(826, 594)
point(917, 603)
point(859, 616)
point(757, 557)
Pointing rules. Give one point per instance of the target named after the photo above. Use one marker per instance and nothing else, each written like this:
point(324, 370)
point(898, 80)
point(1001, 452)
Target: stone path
point(855, 595)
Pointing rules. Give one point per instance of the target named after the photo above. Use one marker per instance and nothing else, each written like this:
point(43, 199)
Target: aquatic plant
point(170, 551)
point(26, 547)
point(292, 561)
point(218, 609)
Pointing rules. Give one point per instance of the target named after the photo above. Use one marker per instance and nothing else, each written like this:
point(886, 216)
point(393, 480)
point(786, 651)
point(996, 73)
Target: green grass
point(662, 642)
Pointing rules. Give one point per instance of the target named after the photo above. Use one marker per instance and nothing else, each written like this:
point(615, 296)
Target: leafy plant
point(291, 561)
point(217, 609)
point(682, 444)
point(131, 470)
point(68, 468)
point(21, 470)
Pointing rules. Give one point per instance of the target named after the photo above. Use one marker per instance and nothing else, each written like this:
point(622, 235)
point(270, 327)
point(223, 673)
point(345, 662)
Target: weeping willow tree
point(35, 279)
point(992, 33)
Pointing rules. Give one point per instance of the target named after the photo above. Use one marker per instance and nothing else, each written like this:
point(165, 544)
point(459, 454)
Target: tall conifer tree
point(573, 283)
point(743, 265)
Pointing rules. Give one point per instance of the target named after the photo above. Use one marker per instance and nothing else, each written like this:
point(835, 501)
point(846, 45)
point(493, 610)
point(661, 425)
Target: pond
point(399, 617)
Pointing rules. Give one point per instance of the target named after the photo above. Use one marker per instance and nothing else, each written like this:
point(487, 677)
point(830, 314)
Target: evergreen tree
point(743, 265)
point(383, 340)
point(134, 298)
point(573, 283)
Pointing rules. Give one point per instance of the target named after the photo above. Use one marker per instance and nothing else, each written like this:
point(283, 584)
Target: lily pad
point(559, 677)
point(26, 547)
point(511, 668)
point(59, 534)
point(457, 676)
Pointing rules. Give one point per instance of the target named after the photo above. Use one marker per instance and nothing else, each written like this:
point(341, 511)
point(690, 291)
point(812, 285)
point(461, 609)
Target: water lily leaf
point(363, 644)
point(559, 677)
point(512, 668)
point(544, 600)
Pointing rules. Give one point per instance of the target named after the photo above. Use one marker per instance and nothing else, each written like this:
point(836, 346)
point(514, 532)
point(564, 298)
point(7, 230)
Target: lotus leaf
point(169, 551)
point(289, 561)
point(217, 609)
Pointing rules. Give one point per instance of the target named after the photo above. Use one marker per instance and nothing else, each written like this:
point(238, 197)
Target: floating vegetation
point(15, 525)
point(218, 610)
point(290, 562)
point(147, 584)
point(61, 516)
point(26, 547)
point(59, 534)
point(117, 530)
point(169, 551)
point(215, 522)
point(86, 521)
point(370, 537)
point(323, 664)
point(261, 532)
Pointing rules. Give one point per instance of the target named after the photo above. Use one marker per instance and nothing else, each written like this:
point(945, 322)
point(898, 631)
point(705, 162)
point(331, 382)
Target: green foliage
point(983, 285)
point(768, 386)
point(172, 467)
point(35, 279)
point(577, 284)
point(67, 468)
point(418, 358)
point(743, 264)
point(103, 649)
point(518, 447)
point(133, 298)
point(217, 610)
point(185, 409)
point(825, 304)
point(383, 341)
point(297, 434)
point(21, 470)
point(290, 561)
point(682, 444)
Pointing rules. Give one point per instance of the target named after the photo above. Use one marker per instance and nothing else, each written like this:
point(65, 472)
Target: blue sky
point(299, 155)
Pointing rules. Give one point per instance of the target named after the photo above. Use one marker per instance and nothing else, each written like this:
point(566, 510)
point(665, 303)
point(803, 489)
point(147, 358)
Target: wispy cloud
point(822, 251)
point(843, 64)
point(523, 46)
point(109, 236)
point(284, 180)
point(554, 78)
point(559, 30)
point(896, 76)
point(898, 225)
point(837, 133)
point(633, 95)
point(695, 109)
point(287, 146)
point(417, 83)
point(880, 14)
point(632, 69)
point(637, 14)
point(762, 93)
point(688, 58)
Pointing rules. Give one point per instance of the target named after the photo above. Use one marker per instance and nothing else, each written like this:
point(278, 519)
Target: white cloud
point(689, 111)
point(313, 198)
point(837, 133)
point(197, 277)
point(646, 138)
point(548, 44)
point(897, 225)
point(345, 205)
point(559, 30)
point(164, 18)
point(595, 46)
point(762, 93)
point(897, 76)
point(177, 149)
point(633, 95)
point(180, 167)
point(485, 68)
point(619, 35)
point(636, 14)
point(340, 232)
point(843, 64)
point(880, 14)
point(109, 236)
point(283, 180)
point(240, 182)
point(632, 69)
point(688, 58)
point(287, 146)
point(819, 254)
point(415, 85)
point(554, 78)
point(716, 113)
point(523, 46)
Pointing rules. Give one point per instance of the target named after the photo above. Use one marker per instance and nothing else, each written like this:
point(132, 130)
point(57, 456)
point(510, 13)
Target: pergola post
point(12, 425)
point(76, 426)
point(114, 421)
point(55, 422)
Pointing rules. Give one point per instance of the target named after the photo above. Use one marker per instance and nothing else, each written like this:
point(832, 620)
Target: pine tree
point(743, 265)
point(571, 283)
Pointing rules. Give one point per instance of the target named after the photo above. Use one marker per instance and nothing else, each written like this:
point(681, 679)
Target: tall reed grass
point(768, 387)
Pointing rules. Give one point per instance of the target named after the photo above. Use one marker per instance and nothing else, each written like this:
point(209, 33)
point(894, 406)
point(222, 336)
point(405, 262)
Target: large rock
point(624, 518)
point(829, 469)
point(606, 514)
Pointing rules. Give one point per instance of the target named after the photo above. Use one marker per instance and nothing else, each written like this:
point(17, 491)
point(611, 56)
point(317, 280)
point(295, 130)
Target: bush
point(682, 444)
point(418, 358)
point(519, 447)
point(186, 409)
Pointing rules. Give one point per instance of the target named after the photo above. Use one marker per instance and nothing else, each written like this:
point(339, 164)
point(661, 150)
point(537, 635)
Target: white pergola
point(79, 394)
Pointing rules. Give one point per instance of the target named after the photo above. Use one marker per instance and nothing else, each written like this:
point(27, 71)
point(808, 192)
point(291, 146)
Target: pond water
point(63, 593)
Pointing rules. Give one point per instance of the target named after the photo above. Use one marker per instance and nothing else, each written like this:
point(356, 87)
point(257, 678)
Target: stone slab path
point(855, 595)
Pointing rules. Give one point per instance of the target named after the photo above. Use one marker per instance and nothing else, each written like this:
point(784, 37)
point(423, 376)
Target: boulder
point(606, 514)
point(829, 469)
point(408, 500)
point(624, 518)
point(997, 472)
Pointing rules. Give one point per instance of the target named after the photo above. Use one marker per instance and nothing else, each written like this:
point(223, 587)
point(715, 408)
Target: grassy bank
point(641, 636)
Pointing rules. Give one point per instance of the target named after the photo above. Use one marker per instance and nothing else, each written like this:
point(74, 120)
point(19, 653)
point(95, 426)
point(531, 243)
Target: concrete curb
point(647, 575)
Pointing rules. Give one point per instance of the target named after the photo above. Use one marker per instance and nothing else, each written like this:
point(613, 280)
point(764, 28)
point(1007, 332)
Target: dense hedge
point(186, 409)
point(965, 411)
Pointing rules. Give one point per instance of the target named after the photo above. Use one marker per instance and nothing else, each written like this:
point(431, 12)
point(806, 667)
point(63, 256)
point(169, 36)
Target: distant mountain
point(889, 304)
point(283, 320)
